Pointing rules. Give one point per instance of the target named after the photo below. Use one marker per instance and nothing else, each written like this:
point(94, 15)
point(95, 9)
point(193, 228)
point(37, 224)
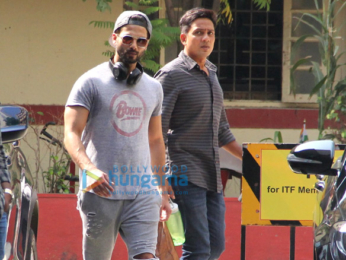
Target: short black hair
point(191, 15)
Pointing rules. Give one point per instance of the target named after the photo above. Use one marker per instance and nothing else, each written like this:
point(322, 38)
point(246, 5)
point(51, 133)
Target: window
point(248, 53)
point(253, 53)
point(293, 10)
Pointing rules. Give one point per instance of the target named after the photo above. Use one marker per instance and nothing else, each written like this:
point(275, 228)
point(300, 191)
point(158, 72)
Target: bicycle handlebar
point(43, 132)
point(72, 178)
point(46, 126)
point(48, 135)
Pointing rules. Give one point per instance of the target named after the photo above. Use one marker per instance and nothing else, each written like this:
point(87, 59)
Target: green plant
point(330, 91)
point(225, 12)
point(51, 162)
point(59, 159)
point(102, 5)
point(54, 176)
point(32, 141)
point(277, 138)
point(261, 4)
point(337, 114)
point(162, 36)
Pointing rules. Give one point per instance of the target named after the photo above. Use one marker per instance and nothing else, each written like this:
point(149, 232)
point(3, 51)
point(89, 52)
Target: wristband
point(8, 191)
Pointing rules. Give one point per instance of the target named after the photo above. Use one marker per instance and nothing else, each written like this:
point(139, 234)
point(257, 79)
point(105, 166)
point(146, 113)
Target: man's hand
point(102, 188)
point(235, 149)
point(165, 210)
point(170, 190)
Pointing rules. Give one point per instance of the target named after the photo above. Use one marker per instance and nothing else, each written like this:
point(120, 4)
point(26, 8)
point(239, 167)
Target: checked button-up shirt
point(194, 121)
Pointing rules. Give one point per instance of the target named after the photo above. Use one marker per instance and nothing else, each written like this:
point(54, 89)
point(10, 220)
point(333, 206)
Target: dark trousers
point(203, 215)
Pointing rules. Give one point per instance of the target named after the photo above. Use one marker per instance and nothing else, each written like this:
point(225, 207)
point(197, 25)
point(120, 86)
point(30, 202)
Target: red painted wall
point(277, 118)
point(60, 234)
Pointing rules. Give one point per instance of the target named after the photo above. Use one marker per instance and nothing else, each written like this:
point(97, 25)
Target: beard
point(129, 56)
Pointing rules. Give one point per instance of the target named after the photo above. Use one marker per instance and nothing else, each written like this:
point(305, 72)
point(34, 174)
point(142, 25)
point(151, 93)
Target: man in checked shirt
point(193, 113)
point(5, 198)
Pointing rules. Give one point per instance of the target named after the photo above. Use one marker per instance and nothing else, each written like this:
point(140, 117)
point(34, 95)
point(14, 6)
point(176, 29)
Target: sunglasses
point(128, 40)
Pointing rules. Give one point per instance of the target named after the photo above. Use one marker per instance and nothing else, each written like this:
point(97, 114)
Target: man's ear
point(183, 38)
point(112, 39)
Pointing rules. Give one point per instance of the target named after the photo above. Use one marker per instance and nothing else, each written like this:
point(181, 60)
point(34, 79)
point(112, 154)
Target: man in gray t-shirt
point(113, 133)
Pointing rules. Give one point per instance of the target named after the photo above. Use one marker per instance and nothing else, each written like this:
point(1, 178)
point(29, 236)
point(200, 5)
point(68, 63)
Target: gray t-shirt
point(116, 133)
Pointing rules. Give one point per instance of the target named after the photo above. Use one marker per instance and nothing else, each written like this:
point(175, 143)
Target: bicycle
point(57, 175)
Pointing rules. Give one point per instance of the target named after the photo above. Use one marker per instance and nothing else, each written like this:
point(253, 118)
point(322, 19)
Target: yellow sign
point(285, 195)
point(272, 193)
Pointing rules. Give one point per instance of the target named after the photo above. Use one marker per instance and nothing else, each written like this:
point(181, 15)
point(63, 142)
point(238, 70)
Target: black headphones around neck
point(120, 72)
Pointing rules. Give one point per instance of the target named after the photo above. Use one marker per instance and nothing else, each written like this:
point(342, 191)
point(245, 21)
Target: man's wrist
point(8, 191)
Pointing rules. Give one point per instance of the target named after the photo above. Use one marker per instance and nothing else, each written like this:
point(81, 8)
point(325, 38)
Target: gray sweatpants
point(136, 221)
